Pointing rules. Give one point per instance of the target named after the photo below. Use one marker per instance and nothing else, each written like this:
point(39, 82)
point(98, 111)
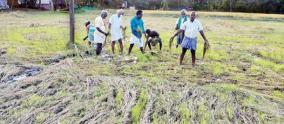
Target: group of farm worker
point(187, 29)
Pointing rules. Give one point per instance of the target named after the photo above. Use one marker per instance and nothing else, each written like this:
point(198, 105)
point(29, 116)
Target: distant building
point(45, 4)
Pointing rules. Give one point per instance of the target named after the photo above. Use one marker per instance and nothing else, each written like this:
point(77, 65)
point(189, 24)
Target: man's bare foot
point(202, 62)
point(181, 64)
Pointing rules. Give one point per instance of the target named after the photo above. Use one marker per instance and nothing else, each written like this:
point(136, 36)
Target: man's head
point(183, 13)
point(120, 12)
point(139, 14)
point(87, 23)
point(192, 16)
point(104, 14)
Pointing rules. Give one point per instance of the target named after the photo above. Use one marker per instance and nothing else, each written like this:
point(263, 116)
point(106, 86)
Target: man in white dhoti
point(116, 27)
point(100, 33)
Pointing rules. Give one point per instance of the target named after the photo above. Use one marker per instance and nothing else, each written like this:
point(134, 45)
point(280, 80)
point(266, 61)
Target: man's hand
point(176, 27)
point(85, 38)
point(138, 30)
point(171, 42)
point(206, 44)
point(172, 38)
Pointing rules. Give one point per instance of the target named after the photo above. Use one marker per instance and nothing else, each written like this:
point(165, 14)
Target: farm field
point(41, 81)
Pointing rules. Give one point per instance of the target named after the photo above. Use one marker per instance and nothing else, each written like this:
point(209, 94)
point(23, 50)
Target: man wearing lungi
point(191, 29)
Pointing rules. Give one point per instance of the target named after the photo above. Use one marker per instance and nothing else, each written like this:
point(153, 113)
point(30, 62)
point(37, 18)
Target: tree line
point(256, 6)
point(260, 6)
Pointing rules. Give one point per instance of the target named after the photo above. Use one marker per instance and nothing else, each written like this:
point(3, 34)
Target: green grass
point(138, 108)
point(222, 90)
point(119, 97)
point(230, 111)
point(217, 69)
point(276, 54)
point(278, 94)
point(270, 65)
point(40, 117)
point(185, 113)
point(34, 100)
point(203, 113)
point(33, 41)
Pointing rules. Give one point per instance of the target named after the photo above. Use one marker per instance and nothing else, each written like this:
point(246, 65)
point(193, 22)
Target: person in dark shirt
point(152, 38)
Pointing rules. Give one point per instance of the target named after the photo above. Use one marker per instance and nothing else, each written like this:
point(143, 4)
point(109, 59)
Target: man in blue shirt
point(137, 28)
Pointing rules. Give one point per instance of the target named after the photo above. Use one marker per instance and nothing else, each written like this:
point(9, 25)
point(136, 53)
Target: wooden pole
point(12, 4)
point(52, 5)
point(72, 26)
point(39, 4)
point(231, 6)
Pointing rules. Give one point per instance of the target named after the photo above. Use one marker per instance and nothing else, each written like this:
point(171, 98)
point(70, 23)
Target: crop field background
point(41, 81)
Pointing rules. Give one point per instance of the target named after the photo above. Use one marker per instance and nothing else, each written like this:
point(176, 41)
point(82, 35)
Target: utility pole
point(231, 9)
point(72, 24)
point(39, 4)
point(178, 5)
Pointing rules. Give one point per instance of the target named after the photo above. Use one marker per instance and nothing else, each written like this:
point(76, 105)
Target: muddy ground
point(60, 91)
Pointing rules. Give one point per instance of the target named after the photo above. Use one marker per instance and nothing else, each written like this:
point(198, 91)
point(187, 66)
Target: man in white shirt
point(100, 33)
point(116, 27)
point(191, 29)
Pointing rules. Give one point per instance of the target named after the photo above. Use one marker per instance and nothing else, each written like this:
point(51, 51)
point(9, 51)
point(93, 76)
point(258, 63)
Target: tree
point(13, 3)
point(165, 5)
point(231, 4)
